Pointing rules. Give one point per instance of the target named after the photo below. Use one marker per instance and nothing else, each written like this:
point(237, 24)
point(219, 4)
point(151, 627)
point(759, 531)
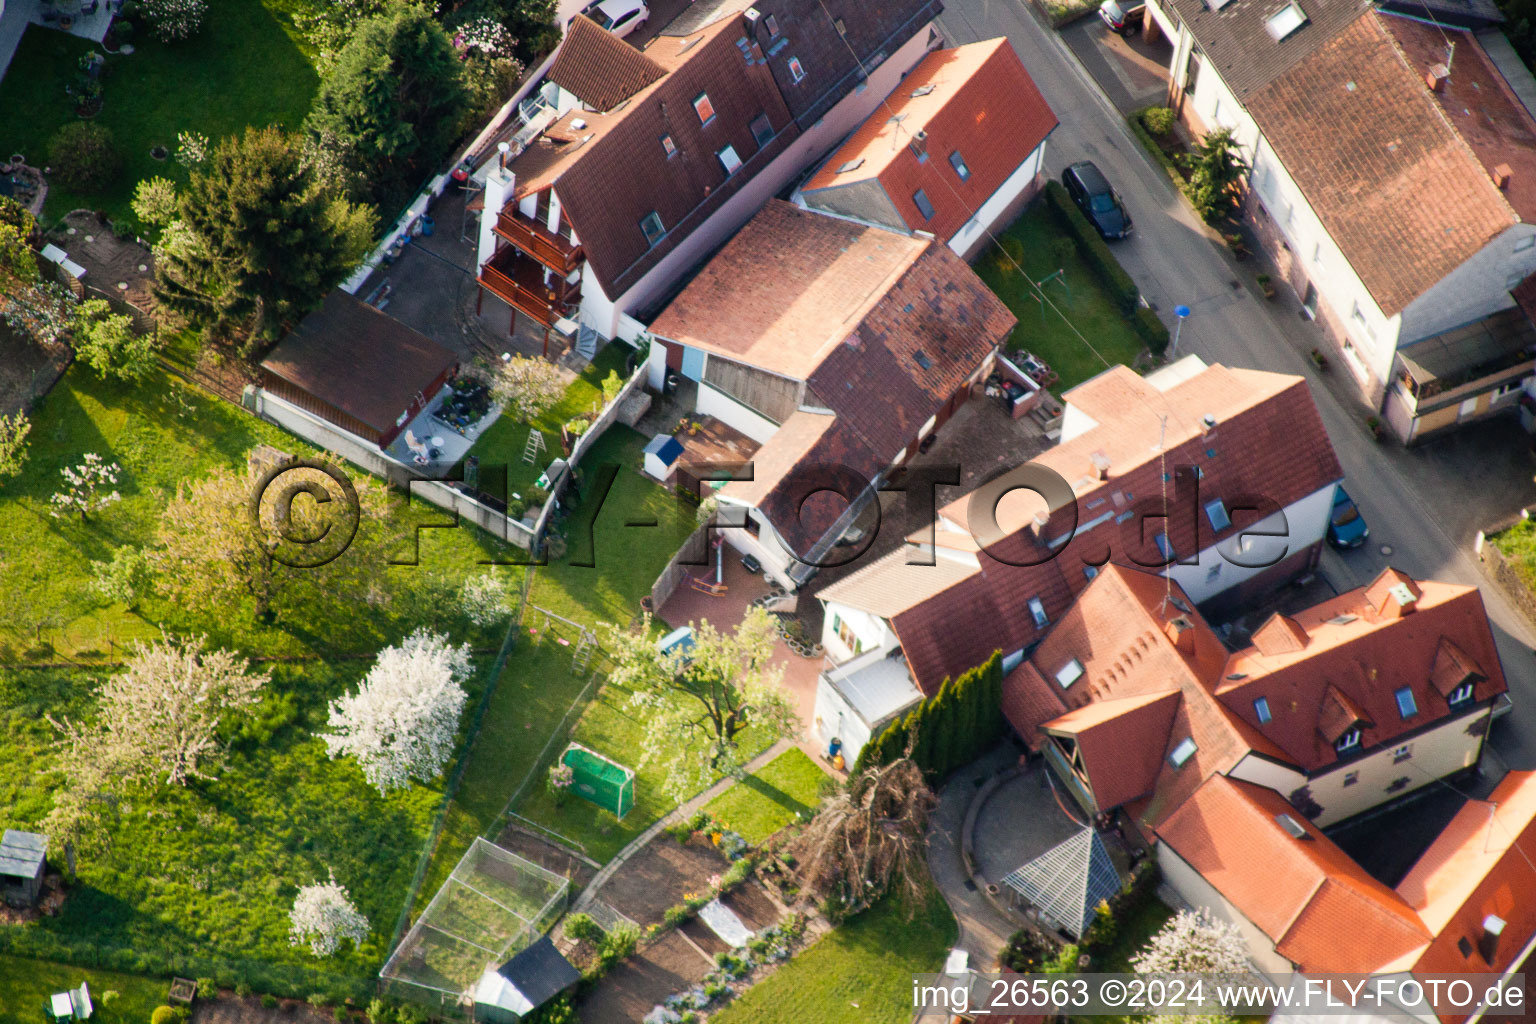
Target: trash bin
point(834, 748)
point(427, 224)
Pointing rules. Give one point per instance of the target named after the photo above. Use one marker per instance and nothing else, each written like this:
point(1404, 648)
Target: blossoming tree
point(82, 493)
point(402, 721)
point(323, 915)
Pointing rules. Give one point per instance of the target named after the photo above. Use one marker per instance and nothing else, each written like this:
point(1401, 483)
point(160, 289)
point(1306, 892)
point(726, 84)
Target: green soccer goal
point(595, 778)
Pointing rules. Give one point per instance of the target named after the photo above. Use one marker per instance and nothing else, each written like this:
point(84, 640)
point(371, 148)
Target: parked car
point(1101, 204)
point(1124, 18)
point(1346, 526)
point(621, 17)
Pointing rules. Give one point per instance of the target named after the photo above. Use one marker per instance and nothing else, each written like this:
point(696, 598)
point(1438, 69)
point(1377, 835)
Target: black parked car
point(1090, 190)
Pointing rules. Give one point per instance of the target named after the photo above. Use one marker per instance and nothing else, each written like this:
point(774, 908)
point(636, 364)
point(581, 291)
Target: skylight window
point(796, 69)
point(1216, 512)
point(1285, 21)
point(729, 160)
point(1069, 673)
point(1406, 705)
point(704, 108)
point(1183, 752)
point(958, 163)
point(924, 207)
point(651, 226)
point(922, 90)
point(1291, 825)
point(923, 360)
point(1037, 609)
point(851, 165)
point(1165, 546)
point(1261, 708)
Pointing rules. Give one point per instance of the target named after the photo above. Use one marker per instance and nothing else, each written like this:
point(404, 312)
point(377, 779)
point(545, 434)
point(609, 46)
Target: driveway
point(1424, 506)
point(1131, 72)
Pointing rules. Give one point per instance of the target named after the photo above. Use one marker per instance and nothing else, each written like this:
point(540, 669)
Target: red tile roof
point(599, 68)
point(1122, 741)
point(976, 100)
point(1354, 662)
point(1319, 907)
point(1269, 441)
point(1395, 183)
point(1481, 864)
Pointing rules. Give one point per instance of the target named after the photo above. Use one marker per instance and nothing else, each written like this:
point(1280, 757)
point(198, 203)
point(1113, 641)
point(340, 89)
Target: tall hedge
point(1093, 249)
point(952, 728)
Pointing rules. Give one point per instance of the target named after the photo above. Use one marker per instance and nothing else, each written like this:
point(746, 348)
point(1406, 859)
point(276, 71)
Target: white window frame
point(1402, 753)
point(1069, 673)
point(796, 70)
point(1213, 507)
point(1261, 710)
point(1349, 741)
point(1179, 756)
point(1037, 613)
point(701, 104)
point(728, 159)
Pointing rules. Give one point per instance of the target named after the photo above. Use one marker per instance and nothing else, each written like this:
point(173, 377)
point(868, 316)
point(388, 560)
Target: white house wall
point(733, 414)
point(835, 718)
point(1477, 288)
point(1306, 521)
point(870, 629)
point(993, 208)
point(1199, 893)
point(765, 547)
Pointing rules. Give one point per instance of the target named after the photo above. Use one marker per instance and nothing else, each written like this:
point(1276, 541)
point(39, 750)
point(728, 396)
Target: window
point(1350, 778)
point(668, 146)
point(1216, 512)
point(1261, 708)
point(1522, 244)
point(924, 207)
point(958, 163)
point(1291, 825)
point(704, 108)
point(849, 638)
point(1406, 705)
point(650, 224)
point(1165, 546)
point(1069, 673)
point(1460, 697)
point(728, 159)
point(796, 70)
point(773, 25)
point(1013, 660)
point(1037, 610)
point(1402, 753)
point(1317, 254)
point(1358, 316)
point(1349, 741)
point(762, 130)
point(1284, 21)
point(1183, 752)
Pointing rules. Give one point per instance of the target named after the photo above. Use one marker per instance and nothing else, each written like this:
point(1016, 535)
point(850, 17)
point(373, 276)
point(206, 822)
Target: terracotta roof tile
point(599, 68)
point(1234, 40)
point(1480, 864)
point(1029, 702)
point(1355, 662)
point(1122, 742)
point(1320, 908)
point(1397, 188)
point(1280, 635)
point(1452, 668)
point(976, 100)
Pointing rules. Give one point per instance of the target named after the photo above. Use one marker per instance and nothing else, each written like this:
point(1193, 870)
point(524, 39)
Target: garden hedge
point(1122, 290)
point(1149, 143)
point(952, 728)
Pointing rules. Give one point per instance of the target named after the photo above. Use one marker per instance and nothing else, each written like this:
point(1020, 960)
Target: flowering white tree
point(527, 388)
point(41, 311)
point(175, 19)
point(483, 599)
point(402, 721)
point(83, 485)
point(323, 915)
point(1194, 942)
point(191, 148)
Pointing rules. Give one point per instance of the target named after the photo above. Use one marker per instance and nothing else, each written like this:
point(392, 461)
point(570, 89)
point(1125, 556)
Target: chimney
point(1207, 424)
point(1100, 463)
point(1182, 632)
point(1488, 942)
point(502, 149)
point(1436, 77)
point(1501, 175)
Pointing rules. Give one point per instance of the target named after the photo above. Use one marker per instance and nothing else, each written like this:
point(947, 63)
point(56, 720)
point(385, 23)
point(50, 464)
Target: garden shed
point(1068, 882)
point(661, 454)
point(509, 993)
point(23, 857)
point(598, 780)
point(358, 368)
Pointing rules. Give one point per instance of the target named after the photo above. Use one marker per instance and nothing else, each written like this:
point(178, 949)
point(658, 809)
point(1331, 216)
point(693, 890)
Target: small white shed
point(661, 455)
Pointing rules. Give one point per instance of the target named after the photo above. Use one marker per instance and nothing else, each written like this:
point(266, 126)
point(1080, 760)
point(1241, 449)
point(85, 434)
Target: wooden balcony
point(556, 252)
point(519, 282)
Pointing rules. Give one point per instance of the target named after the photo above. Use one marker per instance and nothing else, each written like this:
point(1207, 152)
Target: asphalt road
point(1426, 505)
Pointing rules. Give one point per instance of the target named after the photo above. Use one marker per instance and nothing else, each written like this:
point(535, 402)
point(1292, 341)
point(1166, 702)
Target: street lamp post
point(1182, 312)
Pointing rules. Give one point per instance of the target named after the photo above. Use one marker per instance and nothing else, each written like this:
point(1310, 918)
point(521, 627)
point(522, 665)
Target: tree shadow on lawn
point(778, 796)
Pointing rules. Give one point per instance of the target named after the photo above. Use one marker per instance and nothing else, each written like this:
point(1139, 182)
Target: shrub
point(1065, 961)
point(83, 157)
point(380, 1012)
point(676, 915)
point(154, 201)
point(582, 928)
point(268, 1000)
point(174, 19)
point(319, 1000)
point(737, 873)
point(1157, 120)
point(558, 1010)
point(163, 1015)
point(619, 943)
point(410, 1013)
point(242, 988)
point(1150, 330)
point(1091, 247)
point(1101, 930)
point(207, 988)
point(340, 1013)
point(1026, 952)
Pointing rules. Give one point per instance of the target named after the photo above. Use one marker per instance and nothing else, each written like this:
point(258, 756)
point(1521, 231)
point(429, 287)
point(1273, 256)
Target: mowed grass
point(207, 871)
point(245, 67)
point(1518, 545)
point(785, 789)
point(25, 986)
point(1081, 302)
point(860, 973)
point(504, 441)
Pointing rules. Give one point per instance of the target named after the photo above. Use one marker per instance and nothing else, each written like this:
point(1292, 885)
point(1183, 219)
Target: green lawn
point(245, 67)
point(504, 441)
point(25, 986)
point(1081, 300)
point(759, 805)
point(861, 973)
point(1518, 546)
point(199, 879)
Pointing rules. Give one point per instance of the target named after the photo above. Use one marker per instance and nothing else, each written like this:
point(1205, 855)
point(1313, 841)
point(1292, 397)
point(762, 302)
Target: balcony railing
point(520, 283)
point(555, 251)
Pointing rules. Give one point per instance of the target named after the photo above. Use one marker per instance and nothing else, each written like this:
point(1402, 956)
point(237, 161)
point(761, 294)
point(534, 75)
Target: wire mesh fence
point(494, 904)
